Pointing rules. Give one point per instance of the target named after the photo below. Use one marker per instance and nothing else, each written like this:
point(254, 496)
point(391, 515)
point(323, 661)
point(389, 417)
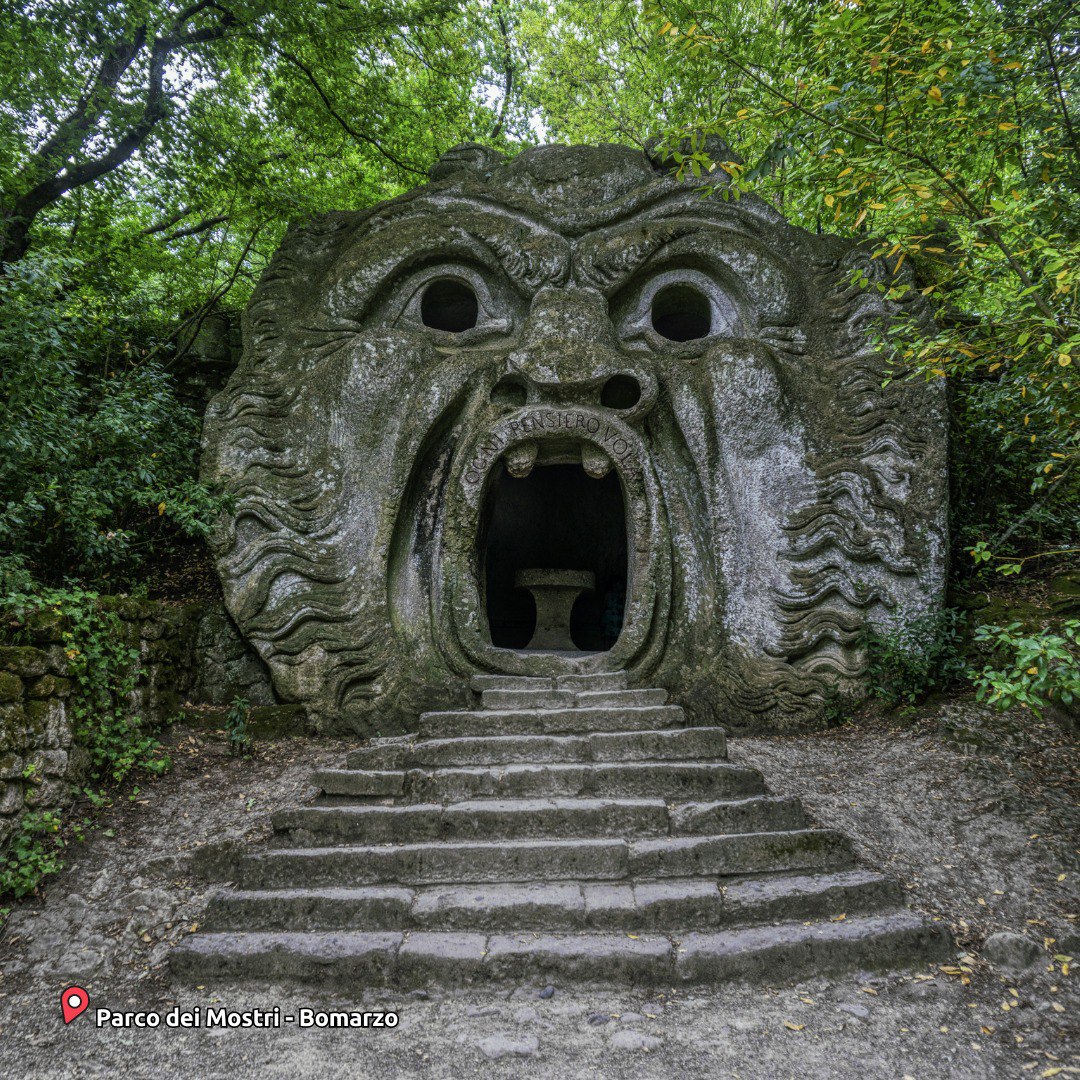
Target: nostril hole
point(681, 313)
point(621, 392)
point(448, 304)
point(509, 390)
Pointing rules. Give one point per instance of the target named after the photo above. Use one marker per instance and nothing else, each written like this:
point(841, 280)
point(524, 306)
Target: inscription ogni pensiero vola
point(543, 421)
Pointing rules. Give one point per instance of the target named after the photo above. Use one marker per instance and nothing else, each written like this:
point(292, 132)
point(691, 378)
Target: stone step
point(546, 860)
point(496, 819)
point(528, 699)
point(576, 721)
point(568, 699)
point(612, 680)
point(403, 960)
point(617, 699)
point(693, 743)
point(480, 683)
point(484, 819)
point(671, 905)
point(737, 853)
point(666, 779)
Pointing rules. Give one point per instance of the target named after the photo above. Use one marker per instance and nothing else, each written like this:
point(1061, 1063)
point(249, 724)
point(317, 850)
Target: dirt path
point(985, 842)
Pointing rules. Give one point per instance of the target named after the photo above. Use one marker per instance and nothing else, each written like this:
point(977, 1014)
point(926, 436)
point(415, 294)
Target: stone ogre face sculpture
point(571, 362)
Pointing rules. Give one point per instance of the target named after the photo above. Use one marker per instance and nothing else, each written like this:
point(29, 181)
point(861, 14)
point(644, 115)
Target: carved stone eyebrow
point(607, 259)
point(740, 263)
point(529, 253)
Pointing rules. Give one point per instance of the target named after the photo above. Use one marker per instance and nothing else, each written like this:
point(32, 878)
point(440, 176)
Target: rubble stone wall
point(188, 653)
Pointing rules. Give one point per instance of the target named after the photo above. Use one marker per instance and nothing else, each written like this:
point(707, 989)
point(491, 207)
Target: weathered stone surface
point(431, 386)
point(226, 666)
point(23, 660)
point(1012, 952)
point(11, 686)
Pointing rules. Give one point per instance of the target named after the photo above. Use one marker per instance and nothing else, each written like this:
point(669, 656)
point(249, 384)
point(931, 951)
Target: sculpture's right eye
point(449, 304)
point(681, 313)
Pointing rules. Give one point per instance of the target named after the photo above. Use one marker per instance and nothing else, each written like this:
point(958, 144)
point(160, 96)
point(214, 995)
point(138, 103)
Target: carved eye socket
point(459, 304)
point(450, 305)
point(681, 313)
point(679, 307)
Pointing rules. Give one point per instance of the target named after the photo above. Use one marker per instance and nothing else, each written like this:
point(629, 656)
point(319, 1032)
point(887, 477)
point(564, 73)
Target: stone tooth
point(521, 458)
point(595, 461)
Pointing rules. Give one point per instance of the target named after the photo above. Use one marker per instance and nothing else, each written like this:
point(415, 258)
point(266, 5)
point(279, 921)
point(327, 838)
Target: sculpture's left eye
point(681, 313)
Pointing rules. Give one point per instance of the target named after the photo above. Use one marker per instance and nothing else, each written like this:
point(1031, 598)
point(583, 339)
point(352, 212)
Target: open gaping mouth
point(553, 556)
point(554, 553)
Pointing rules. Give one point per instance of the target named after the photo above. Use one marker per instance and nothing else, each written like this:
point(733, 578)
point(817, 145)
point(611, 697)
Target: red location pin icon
point(73, 1002)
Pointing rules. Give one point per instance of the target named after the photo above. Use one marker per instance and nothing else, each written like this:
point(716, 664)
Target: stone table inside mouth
point(554, 592)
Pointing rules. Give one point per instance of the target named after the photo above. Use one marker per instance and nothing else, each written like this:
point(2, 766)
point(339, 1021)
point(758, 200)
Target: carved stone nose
point(577, 316)
point(570, 355)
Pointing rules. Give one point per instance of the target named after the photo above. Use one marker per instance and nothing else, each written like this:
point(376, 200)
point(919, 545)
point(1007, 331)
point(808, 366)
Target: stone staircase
point(568, 829)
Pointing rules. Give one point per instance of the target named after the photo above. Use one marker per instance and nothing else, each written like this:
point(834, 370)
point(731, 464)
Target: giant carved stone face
point(569, 384)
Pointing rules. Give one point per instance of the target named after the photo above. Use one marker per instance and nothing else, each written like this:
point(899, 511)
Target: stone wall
point(188, 653)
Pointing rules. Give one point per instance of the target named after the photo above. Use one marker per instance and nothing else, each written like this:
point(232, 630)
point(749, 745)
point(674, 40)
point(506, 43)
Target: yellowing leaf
point(1007, 125)
point(793, 1027)
point(877, 206)
point(160, 508)
point(934, 94)
point(839, 918)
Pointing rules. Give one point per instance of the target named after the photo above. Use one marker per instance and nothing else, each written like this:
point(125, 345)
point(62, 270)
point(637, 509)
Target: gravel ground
point(976, 815)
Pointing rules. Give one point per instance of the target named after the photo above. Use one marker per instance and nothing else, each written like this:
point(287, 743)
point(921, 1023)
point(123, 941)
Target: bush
point(33, 853)
point(237, 726)
point(1033, 669)
point(97, 456)
point(923, 654)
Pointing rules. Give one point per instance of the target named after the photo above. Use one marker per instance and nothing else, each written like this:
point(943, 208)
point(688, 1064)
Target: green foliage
point(151, 156)
point(237, 720)
point(1032, 669)
point(33, 853)
point(920, 655)
point(97, 457)
point(172, 143)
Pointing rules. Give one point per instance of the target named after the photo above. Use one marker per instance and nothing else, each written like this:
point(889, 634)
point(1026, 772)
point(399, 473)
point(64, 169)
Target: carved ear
point(467, 157)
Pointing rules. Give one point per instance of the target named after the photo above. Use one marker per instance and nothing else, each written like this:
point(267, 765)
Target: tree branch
point(508, 84)
point(74, 129)
point(194, 230)
point(345, 125)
